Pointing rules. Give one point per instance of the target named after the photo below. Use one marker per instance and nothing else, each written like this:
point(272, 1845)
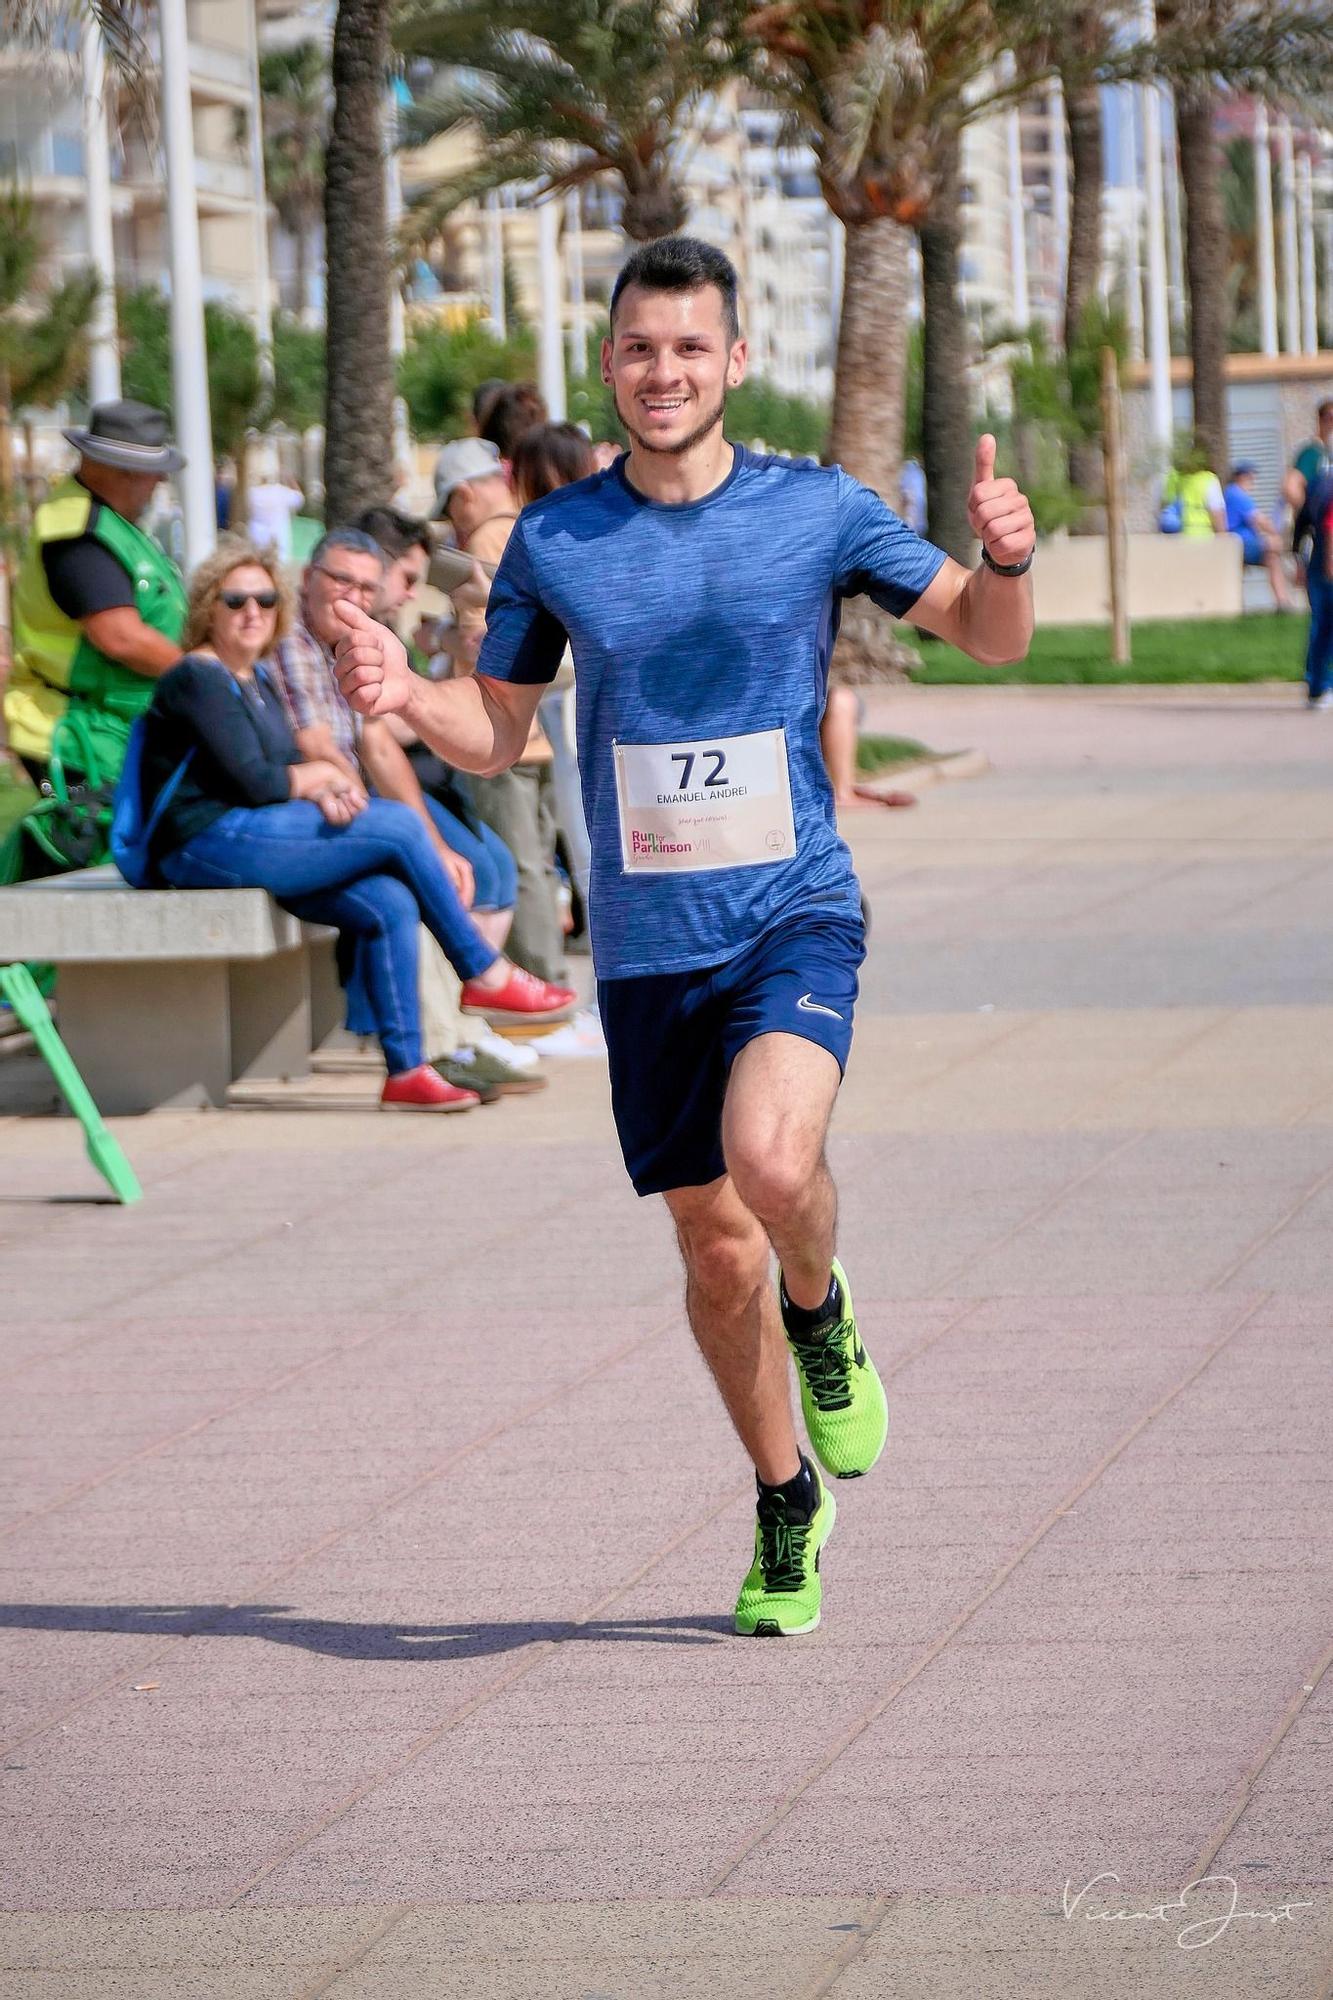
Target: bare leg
point(734, 1318)
point(779, 1102)
point(493, 925)
point(837, 740)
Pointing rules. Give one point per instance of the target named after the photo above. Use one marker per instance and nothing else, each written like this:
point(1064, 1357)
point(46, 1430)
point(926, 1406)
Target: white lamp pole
point(1266, 275)
point(495, 264)
point(1309, 287)
point(1058, 134)
point(189, 363)
point(263, 291)
point(1175, 257)
point(551, 349)
point(1291, 301)
point(1018, 232)
point(1159, 329)
point(578, 331)
point(103, 346)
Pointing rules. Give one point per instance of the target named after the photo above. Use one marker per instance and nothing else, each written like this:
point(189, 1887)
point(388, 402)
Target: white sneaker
point(518, 1054)
point(581, 1037)
point(1324, 700)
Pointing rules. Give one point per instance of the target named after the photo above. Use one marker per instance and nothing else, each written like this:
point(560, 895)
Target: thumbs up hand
point(371, 664)
point(1001, 518)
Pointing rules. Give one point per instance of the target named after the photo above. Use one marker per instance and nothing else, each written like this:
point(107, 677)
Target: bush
point(441, 367)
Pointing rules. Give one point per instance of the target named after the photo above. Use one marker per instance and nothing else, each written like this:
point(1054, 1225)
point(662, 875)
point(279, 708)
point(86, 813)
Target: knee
point(772, 1173)
point(724, 1264)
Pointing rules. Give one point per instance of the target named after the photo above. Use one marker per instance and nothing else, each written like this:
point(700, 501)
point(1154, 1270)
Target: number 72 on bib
point(718, 802)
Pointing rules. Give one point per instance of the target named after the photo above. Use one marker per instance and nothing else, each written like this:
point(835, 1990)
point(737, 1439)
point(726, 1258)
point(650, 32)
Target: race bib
point(723, 802)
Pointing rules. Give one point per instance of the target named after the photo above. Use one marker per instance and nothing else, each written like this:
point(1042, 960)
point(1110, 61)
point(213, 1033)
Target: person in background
point(556, 455)
point(346, 566)
point(1195, 489)
point(483, 396)
point(1261, 545)
point(1312, 461)
point(248, 811)
point(912, 496)
point(1315, 522)
point(269, 509)
point(518, 407)
point(99, 608)
point(456, 1046)
point(474, 495)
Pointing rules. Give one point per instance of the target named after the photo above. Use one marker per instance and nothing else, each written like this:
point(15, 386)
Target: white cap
point(463, 459)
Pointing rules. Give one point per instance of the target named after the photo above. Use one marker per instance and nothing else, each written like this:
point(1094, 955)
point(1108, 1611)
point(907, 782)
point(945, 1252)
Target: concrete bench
point(167, 996)
point(1169, 576)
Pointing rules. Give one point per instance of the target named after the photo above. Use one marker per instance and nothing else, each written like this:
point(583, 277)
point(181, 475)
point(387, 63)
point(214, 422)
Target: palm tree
point(358, 450)
point(294, 90)
point(882, 90)
point(43, 330)
point(561, 92)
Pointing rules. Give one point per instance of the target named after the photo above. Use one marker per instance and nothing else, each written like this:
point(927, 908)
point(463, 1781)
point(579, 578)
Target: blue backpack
point(132, 829)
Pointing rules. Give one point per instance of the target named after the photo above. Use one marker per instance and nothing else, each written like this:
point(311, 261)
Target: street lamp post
point(1291, 299)
point(1309, 285)
point(551, 348)
point(1263, 211)
point(189, 363)
point(1159, 327)
point(103, 347)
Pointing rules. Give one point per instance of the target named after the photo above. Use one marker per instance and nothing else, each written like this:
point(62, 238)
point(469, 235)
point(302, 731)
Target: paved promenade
point(370, 1530)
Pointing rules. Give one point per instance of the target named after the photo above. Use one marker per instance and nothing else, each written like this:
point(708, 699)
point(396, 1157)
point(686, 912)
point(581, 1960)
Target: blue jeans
point(494, 869)
point(1319, 652)
point(378, 879)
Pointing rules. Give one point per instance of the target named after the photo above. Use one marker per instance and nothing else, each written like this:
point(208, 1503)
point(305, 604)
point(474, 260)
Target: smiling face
point(670, 364)
point(246, 626)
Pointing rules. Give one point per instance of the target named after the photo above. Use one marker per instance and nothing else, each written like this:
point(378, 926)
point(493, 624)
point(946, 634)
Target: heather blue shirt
point(712, 618)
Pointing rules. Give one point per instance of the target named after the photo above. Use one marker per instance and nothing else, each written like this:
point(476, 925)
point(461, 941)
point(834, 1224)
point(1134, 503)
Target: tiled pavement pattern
point(369, 1528)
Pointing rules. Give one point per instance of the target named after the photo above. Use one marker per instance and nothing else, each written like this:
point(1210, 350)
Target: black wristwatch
point(1008, 569)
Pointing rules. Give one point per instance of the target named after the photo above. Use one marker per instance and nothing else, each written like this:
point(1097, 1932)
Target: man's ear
point(606, 361)
point(737, 363)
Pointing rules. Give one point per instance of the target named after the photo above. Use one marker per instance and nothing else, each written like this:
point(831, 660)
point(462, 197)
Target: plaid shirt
point(310, 694)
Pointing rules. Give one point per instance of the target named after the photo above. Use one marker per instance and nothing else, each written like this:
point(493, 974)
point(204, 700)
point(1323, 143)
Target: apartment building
point(42, 144)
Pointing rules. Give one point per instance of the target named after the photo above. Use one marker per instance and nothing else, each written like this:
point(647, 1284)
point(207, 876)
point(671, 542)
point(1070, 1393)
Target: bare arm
point(121, 634)
point(478, 724)
point(315, 741)
point(986, 616)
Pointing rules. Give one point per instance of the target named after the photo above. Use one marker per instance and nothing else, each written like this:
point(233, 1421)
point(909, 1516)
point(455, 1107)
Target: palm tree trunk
point(946, 409)
point(1086, 179)
point(358, 447)
point(1206, 266)
point(869, 394)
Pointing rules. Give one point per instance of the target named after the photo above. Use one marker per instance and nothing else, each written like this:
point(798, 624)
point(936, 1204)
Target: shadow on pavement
point(346, 1641)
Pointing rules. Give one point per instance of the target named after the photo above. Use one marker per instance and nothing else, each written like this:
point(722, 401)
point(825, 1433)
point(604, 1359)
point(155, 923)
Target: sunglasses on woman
point(236, 600)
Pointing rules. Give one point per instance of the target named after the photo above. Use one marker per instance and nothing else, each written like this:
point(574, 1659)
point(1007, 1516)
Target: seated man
point(346, 566)
point(1259, 539)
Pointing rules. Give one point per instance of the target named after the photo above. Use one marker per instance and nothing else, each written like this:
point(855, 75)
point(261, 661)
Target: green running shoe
point(842, 1397)
point(781, 1595)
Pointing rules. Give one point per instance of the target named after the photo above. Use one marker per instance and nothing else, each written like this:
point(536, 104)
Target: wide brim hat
point(131, 437)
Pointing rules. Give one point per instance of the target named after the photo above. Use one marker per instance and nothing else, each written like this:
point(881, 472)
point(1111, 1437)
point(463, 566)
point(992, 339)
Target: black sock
point(800, 1319)
point(800, 1496)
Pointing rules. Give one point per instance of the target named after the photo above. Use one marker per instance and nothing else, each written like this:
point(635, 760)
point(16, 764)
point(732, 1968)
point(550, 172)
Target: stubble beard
point(701, 430)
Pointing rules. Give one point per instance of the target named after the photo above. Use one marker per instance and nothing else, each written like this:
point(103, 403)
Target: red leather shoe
point(522, 998)
point(424, 1089)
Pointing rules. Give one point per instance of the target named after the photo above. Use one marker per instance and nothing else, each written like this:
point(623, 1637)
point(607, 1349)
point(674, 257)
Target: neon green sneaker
point(842, 1397)
point(781, 1595)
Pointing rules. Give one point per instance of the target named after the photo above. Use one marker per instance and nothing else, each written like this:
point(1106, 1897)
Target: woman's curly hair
point(234, 552)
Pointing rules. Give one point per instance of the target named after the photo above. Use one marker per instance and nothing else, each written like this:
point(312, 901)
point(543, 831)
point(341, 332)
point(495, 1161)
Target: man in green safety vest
point(99, 609)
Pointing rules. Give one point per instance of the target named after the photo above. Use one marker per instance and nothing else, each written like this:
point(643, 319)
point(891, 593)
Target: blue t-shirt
point(714, 618)
point(1240, 506)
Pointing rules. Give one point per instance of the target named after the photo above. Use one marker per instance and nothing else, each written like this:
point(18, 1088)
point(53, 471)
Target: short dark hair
point(395, 532)
point(551, 455)
point(681, 264)
point(484, 395)
point(516, 408)
point(352, 539)
point(1325, 407)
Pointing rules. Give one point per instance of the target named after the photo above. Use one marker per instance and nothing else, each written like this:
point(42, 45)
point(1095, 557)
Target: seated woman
point(247, 812)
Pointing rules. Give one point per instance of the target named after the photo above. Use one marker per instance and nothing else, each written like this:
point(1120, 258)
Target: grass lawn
point(881, 753)
point(1260, 648)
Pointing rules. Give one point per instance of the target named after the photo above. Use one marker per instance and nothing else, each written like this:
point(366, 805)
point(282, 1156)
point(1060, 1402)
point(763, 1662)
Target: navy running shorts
point(672, 1038)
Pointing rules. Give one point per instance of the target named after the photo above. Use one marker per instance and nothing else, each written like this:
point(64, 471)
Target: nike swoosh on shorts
point(809, 1006)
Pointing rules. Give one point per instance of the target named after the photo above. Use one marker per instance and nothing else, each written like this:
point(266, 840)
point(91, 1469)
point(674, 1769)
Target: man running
point(699, 585)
